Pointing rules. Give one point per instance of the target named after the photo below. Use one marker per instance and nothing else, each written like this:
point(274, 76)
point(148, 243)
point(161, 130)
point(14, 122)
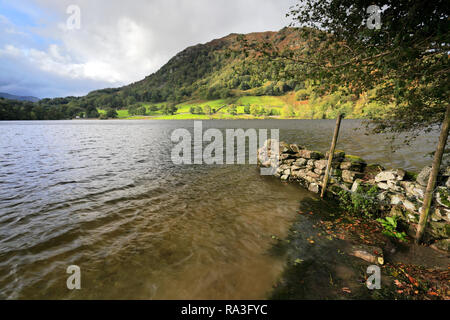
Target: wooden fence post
point(433, 176)
point(331, 153)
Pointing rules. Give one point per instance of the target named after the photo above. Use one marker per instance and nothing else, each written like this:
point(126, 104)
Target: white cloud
point(122, 42)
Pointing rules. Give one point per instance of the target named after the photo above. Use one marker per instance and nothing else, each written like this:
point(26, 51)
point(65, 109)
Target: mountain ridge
point(207, 70)
point(19, 98)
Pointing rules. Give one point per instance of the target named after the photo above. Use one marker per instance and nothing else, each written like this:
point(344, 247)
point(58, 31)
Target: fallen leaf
point(398, 283)
point(347, 290)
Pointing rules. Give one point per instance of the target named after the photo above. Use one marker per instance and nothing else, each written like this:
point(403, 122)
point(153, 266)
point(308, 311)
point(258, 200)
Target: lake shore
point(334, 240)
point(320, 264)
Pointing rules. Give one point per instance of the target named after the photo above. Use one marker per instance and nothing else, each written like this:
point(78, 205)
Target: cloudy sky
point(43, 53)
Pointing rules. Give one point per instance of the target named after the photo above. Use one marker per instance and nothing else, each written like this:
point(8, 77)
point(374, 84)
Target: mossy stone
point(354, 159)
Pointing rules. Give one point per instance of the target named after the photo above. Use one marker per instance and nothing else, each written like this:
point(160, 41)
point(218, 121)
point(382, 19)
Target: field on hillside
point(284, 107)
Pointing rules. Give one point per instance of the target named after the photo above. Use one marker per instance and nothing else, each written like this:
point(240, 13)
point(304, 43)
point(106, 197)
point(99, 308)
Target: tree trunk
point(433, 177)
point(331, 154)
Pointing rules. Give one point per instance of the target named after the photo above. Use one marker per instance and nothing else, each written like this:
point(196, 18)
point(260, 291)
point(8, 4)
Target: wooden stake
point(331, 153)
point(433, 176)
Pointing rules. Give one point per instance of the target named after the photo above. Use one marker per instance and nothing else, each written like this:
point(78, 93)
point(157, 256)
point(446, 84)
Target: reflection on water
point(104, 195)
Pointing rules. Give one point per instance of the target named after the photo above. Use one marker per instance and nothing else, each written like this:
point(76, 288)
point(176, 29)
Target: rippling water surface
point(104, 195)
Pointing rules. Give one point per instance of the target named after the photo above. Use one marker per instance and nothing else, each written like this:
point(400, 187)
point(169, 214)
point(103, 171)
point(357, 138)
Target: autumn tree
point(400, 49)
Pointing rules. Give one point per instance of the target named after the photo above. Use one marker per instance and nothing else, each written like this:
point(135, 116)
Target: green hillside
point(213, 80)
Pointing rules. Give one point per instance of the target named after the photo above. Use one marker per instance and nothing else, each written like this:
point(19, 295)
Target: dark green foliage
point(362, 203)
point(405, 62)
point(198, 110)
point(46, 109)
point(169, 109)
point(390, 228)
point(111, 113)
point(232, 110)
point(137, 110)
point(207, 109)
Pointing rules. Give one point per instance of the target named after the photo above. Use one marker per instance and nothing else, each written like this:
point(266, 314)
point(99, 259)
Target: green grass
point(264, 101)
point(214, 104)
point(122, 114)
point(184, 116)
point(314, 109)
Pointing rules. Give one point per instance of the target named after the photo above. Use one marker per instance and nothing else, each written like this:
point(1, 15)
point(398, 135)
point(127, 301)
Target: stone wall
point(398, 193)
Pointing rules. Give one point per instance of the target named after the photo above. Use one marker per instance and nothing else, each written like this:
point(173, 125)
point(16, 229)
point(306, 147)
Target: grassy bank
point(289, 106)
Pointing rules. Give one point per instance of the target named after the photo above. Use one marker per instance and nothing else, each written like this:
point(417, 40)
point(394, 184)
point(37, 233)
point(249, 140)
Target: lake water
point(105, 195)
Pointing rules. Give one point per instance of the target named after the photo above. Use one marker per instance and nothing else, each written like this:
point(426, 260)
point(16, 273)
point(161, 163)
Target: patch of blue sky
point(25, 20)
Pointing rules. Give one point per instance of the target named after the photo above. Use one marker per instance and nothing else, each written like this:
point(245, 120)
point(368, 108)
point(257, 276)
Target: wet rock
point(301, 173)
point(310, 179)
point(295, 148)
point(397, 199)
point(307, 154)
point(300, 162)
point(410, 206)
point(393, 186)
point(289, 161)
point(286, 156)
point(390, 175)
point(310, 163)
point(399, 174)
point(347, 165)
point(314, 187)
point(445, 214)
point(413, 189)
point(350, 176)
point(385, 176)
point(338, 155)
point(284, 147)
point(423, 176)
point(438, 214)
point(313, 175)
point(383, 186)
point(278, 172)
point(370, 254)
point(356, 185)
point(321, 164)
point(284, 177)
point(319, 171)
